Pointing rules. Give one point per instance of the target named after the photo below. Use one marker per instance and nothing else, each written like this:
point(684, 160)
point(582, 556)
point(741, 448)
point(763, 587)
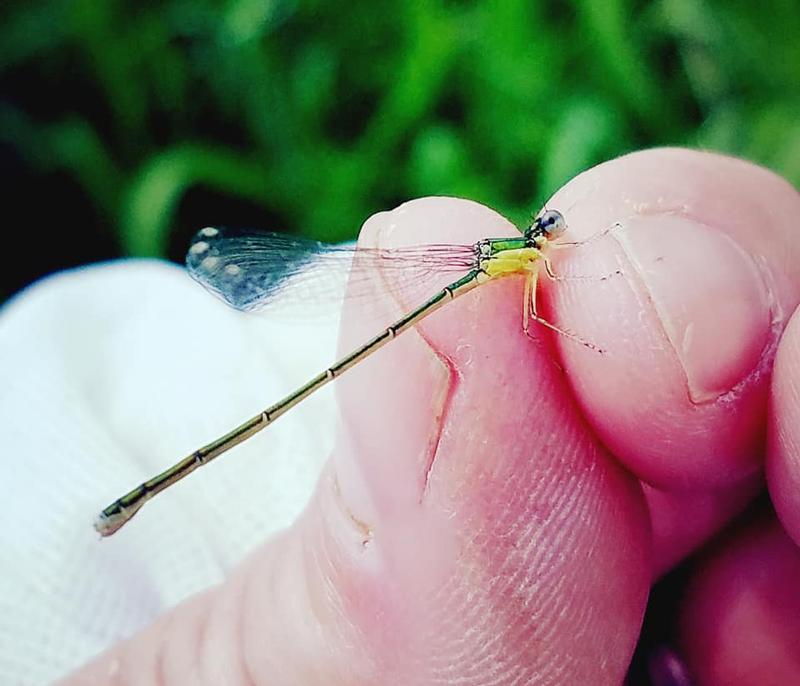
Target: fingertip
point(682, 521)
point(461, 450)
point(437, 219)
point(740, 618)
point(783, 456)
point(691, 326)
point(415, 376)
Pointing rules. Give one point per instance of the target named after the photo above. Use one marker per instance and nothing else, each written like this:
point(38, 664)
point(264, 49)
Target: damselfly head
point(549, 224)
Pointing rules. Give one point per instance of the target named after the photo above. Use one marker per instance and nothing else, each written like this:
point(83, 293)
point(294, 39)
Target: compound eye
point(552, 223)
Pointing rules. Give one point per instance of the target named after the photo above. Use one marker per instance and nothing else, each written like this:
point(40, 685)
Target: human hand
point(481, 519)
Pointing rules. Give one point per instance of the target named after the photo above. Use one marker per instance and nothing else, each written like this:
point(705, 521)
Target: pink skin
point(783, 461)
point(712, 272)
point(682, 520)
point(741, 616)
point(471, 526)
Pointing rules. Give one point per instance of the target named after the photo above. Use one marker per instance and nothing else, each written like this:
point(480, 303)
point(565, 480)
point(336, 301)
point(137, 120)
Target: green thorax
point(499, 245)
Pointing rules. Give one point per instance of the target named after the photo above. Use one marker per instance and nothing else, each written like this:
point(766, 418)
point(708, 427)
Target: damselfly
point(240, 268)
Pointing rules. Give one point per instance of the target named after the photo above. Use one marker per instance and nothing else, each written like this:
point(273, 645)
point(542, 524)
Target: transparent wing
point(251, 269)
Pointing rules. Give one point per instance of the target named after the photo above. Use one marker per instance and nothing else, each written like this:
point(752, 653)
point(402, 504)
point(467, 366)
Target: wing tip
point(208, 264)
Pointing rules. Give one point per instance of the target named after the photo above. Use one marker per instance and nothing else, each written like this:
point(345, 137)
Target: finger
point(706, 245)
point(503, 543)
point(740, 620)
point(468, 528)
point(371, 499)
point(783, 462)
point(682, 521)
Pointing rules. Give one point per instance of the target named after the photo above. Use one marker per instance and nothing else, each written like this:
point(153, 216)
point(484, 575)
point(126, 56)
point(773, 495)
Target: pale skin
point(482, 519)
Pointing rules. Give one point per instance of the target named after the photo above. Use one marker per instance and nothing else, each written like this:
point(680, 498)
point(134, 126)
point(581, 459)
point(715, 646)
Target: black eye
point(553, 223)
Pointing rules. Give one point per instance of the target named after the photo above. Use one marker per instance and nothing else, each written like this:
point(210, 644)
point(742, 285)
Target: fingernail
point(709, 295)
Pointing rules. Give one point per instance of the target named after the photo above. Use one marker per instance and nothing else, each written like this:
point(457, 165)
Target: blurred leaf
point(78, 146)
point(621, 61)
point(70, 145)
point(322, 114)
point(159, 185)
point(37, 28)
point(588, 132)
point(438, 161)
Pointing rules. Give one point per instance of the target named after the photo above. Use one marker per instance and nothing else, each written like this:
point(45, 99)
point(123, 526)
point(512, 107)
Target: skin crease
point(471, 526)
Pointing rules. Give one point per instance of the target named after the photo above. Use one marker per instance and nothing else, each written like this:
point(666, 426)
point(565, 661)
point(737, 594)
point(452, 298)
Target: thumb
point(468, 528)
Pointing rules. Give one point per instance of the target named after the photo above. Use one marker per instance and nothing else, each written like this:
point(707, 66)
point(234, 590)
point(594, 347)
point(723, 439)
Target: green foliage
point(322, 113)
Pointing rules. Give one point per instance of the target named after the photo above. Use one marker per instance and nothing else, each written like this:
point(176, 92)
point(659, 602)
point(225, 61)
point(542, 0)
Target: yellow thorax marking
point(511, 262)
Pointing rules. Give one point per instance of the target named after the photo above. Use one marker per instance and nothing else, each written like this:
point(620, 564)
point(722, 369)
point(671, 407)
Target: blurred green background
point(125, 126)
